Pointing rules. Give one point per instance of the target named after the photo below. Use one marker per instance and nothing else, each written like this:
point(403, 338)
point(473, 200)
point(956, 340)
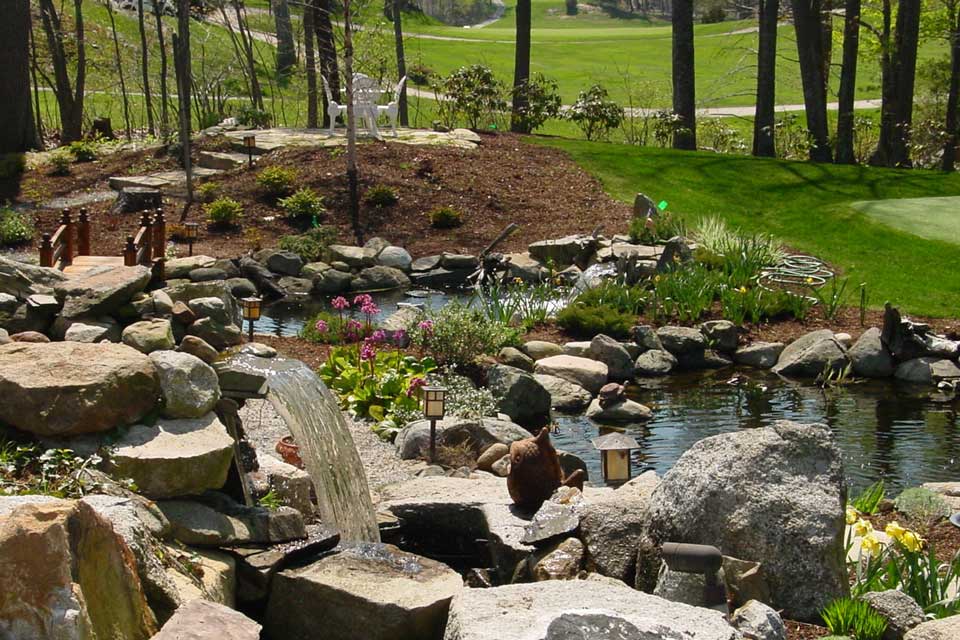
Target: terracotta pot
point(289, 451)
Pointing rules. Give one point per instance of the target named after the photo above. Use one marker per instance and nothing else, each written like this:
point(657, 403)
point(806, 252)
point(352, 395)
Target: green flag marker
point(662, 205)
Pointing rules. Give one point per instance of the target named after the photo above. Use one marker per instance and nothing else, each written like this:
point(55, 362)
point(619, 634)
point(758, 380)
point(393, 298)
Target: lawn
point(932, 218)
point(809, 206)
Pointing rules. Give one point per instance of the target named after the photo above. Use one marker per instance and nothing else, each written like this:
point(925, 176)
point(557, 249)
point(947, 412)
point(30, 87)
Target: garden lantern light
point(193, 232)
point(251, 311)
point(615, 451)
point(434, 407)
point(250, 143)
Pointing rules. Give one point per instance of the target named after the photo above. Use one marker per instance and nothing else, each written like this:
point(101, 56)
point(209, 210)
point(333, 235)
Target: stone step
point(169, 182)
point(222, 161)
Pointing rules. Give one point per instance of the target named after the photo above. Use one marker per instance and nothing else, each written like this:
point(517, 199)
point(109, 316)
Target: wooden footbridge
point(68, 248)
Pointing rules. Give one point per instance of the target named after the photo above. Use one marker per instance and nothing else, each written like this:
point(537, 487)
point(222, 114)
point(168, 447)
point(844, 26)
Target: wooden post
point(146, 244)
point(130, 253)
point(159, 234)
point(46, 251)
point(83, 233)
point(69, 242)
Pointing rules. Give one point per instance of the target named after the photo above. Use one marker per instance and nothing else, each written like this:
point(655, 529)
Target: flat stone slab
point(222, 161)
point(272, 139)
point(118, 183)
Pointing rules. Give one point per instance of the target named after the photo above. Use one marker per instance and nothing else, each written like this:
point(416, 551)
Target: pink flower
point(321, 326)
point(369, 309)
point(399, 337)
point(415, 385)
point(368, 351)
point(340, 303)
point(378, 336)
point(362, 299)
point(426, 326)
point(354, 325)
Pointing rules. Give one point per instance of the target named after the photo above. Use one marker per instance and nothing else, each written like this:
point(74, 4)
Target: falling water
point(326, 448)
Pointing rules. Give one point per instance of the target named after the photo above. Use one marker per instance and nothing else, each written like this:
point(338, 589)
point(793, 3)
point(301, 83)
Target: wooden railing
point(69, 240)
point(147, 247)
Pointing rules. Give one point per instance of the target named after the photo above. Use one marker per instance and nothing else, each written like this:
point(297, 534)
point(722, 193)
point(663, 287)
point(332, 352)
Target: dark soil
point(804, 631)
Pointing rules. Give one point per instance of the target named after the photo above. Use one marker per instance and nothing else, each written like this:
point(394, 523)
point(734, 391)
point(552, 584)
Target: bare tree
point(164, 92)
point(684, 76)
point(848, 83)
point(181, 63)
point(401, 60)
point(119, 64)
point(764, 119)
point(145, 68)
point(286, 49)
point(309, 24)
point(327, 48)
point(353, 172)
point(69, 95)
point(18, 132)
point(951, 148)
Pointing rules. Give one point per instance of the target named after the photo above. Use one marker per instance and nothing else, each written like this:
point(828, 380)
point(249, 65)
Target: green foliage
point(250, 116)
point(270, 500)
point(27, 469)
point(381, 196)
point(324, 328)
point(458, 335)
point(311, 245)
point(595, 113)
point(531, 304)
point(12, 165)
point(662, 227)
point(59, 162)
point(83, 150)
point(15, 227)
point(224, 212)
point(846, 616)
point(420, 74)
point(277, 182)
point(922, 506)
point(305, 204)
point(471, 94)
point(586, 321)
point(831, 297)
point(869, 499)
point(741, 256)
point(446, 218)
point(209, 191)
point(541, 98)
point(716, 134)
point(686, 293)
point(612, 293)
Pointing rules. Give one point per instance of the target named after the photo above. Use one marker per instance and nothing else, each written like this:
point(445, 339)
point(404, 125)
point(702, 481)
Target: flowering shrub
point(595, 113)
point(347, 323)
point(458, 335)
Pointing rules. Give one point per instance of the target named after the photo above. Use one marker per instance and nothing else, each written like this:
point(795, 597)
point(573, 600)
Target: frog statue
point(535, 471)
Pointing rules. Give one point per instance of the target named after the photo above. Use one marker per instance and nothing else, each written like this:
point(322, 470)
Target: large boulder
point(216, 334)
point(70, 388)
point(373, 591)
point(721, 334)
point(564, 395)
point(655, 362)
point(518, 394)
point(774, 495)
point(810, 355)
point(92, 331)
point(762, 355)
point(148, 336)
point(927, 370)
point(589, 374)
point(102, 291)
point(286, 263)
point(210, 307)
point(900, 610)
point(379, 278)
point(396, 257)
point(174, 458)
point(203, 620)
point(564, 251)
point(67, 574)
point(217, 521)
point(596, 608)
point(540, 349)
point(613, 354)
point(189, 386)
point(478, 434)
point(943, 629)
point(186, 291)
point(619, 411)
point(180, 268)
point(681, 340)
point(20, 279)
point(354, 257)
point(869, 357)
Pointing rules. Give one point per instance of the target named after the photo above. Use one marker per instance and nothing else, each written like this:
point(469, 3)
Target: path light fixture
point(434, 407)
point(251, 311)
point(193, 232)
point(615, 451)
point(250, 143)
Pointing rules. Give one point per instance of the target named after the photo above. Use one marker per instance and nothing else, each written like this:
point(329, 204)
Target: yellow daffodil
point(870, 544)
point(911, 541)
point(656, 278)
point(862, 528)
point(518, 281)
point(809, 280)
point(894, 530)
point(742, 289)
point(852, 515)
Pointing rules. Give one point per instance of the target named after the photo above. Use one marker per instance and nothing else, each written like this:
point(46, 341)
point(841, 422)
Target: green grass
point(809, 206)
point(931, 218)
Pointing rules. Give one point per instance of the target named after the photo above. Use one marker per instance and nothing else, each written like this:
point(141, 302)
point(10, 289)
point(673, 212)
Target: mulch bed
point(943, 536)
point(804, 631)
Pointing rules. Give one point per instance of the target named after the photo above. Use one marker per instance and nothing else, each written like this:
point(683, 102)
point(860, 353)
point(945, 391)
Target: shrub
point(595, 114)
point(83, 151)
point(446, 218)
point(458, 335)
point(472, 94)
point(587, 321)
point(303, 205)
point(382, 196)
point(277, 182)
point(611, 293)
point(224, 212)
point(312, 245)
point(663, 226)
point(59, 163)
point(542, 102)
point(716, 135)
point(847, 616)
point(922, 506)
point(15, 228)
point(685, 294)
point(12, 165)
point(250, 116)
point(209, 191)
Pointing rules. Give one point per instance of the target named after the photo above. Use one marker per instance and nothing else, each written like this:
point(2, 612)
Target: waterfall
point(326, 448)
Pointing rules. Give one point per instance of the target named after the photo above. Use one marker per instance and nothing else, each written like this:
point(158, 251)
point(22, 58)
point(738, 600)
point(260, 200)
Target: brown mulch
point(803, 631)
point(504, 180)
point(313, 354)
point(942, 536)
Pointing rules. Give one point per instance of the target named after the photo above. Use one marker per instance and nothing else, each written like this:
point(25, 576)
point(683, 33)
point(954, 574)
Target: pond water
point(884, 429)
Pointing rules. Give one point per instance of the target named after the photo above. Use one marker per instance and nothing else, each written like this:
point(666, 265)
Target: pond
point(884, 429)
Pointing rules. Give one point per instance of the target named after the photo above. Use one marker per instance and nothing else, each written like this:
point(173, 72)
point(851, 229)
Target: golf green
point(931, 218)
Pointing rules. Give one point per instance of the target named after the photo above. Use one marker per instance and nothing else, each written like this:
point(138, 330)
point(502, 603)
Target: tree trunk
point(848, 83)
point(286, 49)
point(907, 42)
point(309, 21)
point(145, 68)
point(256, 95)
point(951, 148)
point(353, 171)
point(521, 68)
point(327, 48)
point(401, 60)
point(38, 114)
point(123, 83)
point(684, 76)
point(69, 98)
point(18, 132)
point(808, 26)
point(181, 54)
point(164, 91)
point(765, 118)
